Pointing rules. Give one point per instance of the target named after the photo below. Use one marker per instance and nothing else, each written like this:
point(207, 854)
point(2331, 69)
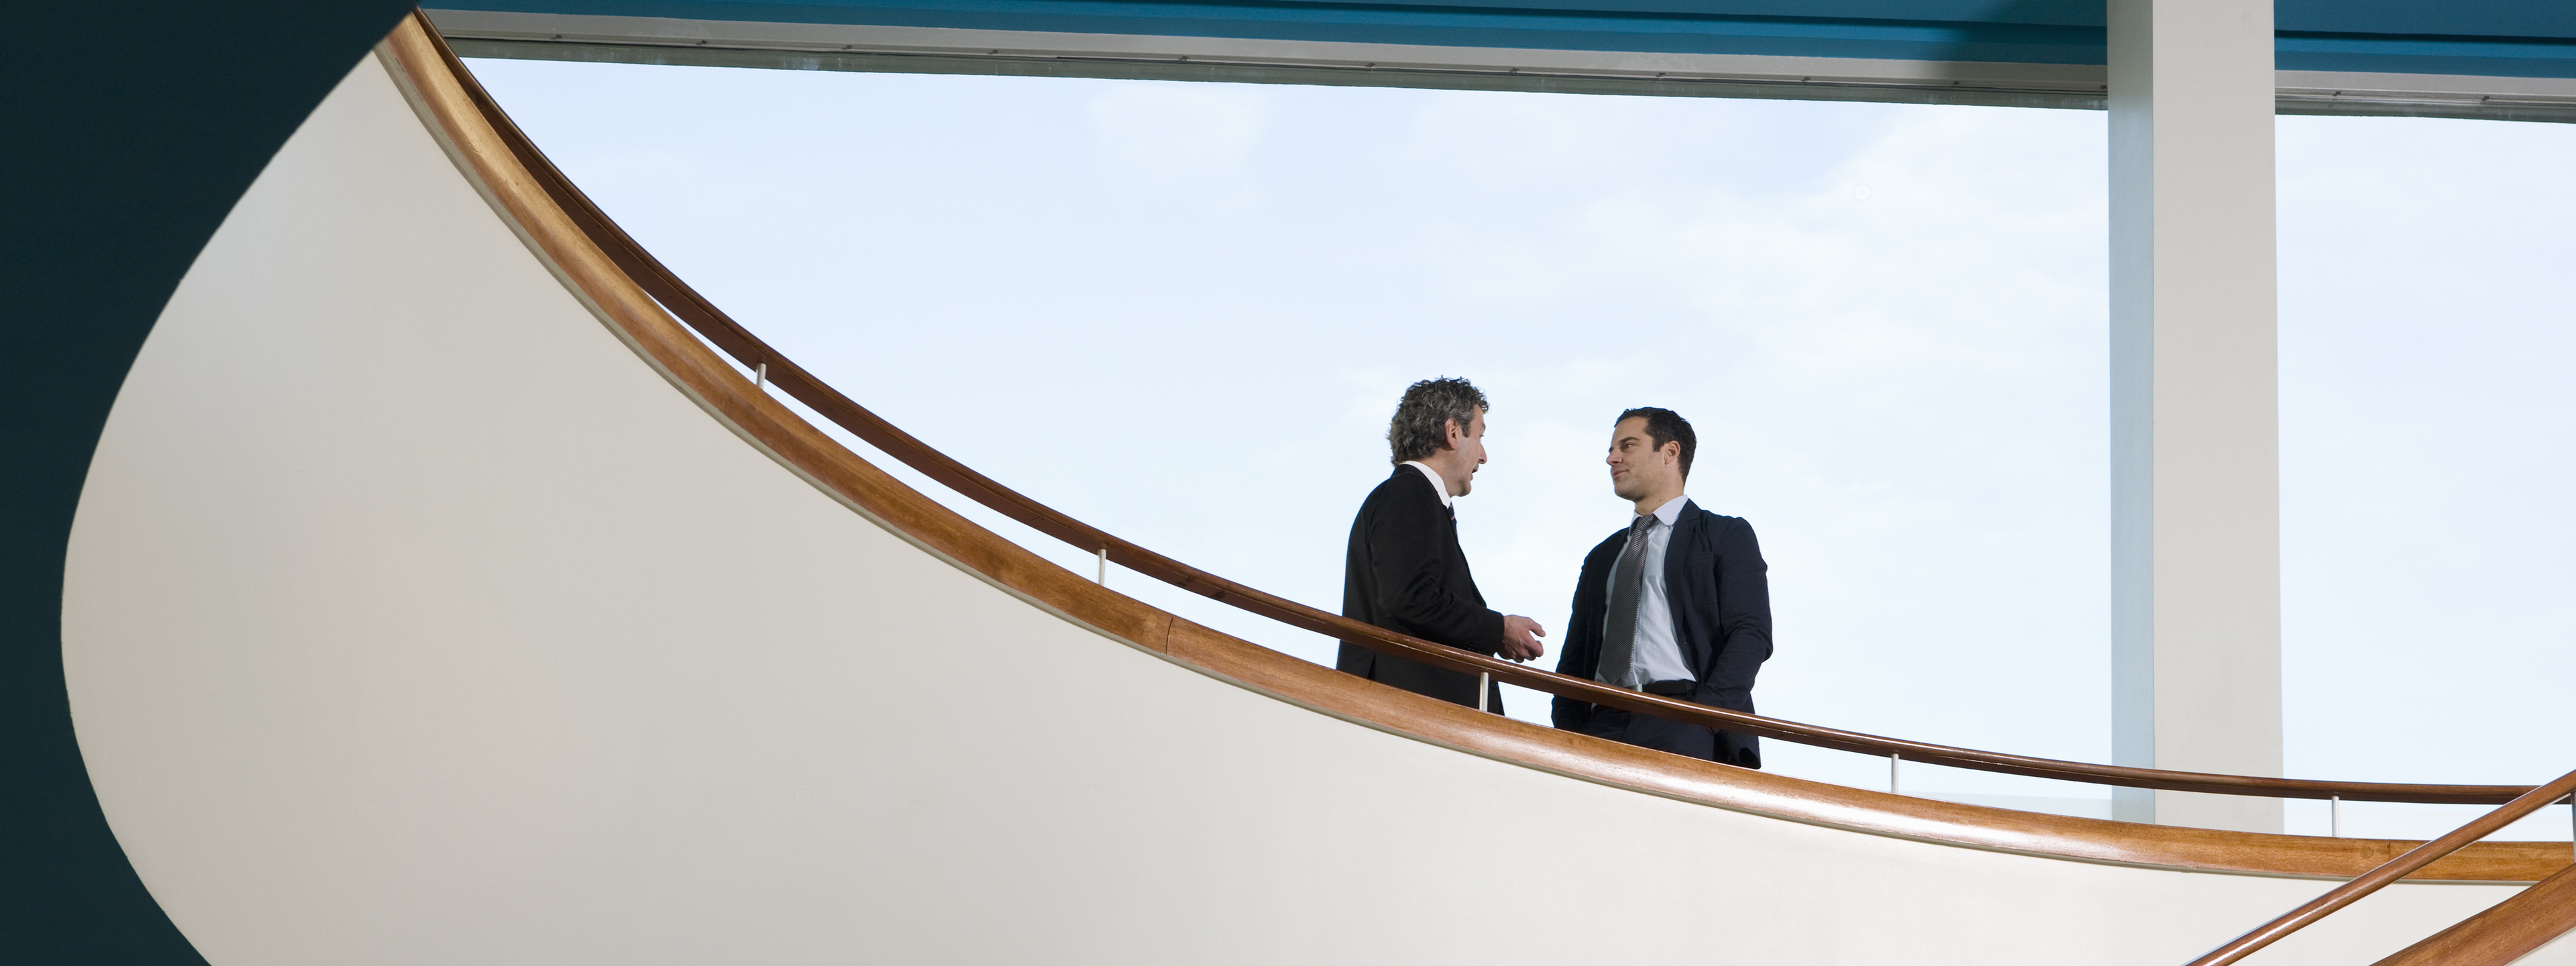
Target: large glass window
point(1183, 312)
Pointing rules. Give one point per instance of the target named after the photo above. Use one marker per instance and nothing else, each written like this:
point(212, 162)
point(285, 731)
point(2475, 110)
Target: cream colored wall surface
point(412, 618)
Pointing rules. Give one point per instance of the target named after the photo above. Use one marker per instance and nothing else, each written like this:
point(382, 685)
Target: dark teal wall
point(132, 129)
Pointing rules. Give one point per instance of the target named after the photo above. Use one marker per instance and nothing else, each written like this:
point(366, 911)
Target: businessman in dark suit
point(1677, 603)
point(1404, 571)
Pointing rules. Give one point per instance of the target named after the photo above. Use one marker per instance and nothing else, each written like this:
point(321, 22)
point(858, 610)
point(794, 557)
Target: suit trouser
point(1648, 731)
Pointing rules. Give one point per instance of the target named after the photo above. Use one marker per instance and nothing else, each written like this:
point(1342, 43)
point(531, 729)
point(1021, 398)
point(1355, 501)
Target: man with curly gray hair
point(1404, 571)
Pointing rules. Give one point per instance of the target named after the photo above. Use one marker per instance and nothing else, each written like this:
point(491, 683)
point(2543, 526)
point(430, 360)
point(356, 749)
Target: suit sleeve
point(1580, 655)
point(1411, 560)
point(1743, 614)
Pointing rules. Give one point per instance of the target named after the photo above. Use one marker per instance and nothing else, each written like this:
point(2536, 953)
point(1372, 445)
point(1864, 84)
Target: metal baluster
point(1893, 761)
point(760, 377)
point(1103, 580)
point(2334, 816)
point(1483, 679)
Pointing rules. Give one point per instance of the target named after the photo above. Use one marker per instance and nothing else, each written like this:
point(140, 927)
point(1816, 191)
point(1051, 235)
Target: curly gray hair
point(1421, 424)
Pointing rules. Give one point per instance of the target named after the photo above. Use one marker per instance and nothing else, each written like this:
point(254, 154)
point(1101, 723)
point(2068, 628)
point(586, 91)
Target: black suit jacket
point(1405, 573)
point(1720, 593)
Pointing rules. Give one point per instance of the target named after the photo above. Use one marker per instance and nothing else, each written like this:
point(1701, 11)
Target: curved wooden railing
point(730, 336)
point(2399, 868)
point(2502, 933)
point(529, 196)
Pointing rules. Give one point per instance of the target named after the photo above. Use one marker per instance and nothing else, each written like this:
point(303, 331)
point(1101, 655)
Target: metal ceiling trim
point(937, 50)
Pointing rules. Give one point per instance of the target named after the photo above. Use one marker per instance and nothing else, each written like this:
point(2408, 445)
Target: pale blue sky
point(1183, 311)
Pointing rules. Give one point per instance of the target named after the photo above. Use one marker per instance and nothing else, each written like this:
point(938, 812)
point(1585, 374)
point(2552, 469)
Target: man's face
point(1469, 455)
point(1637, 467)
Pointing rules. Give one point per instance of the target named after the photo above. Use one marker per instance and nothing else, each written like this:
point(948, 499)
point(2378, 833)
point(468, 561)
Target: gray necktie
point(1627, 592)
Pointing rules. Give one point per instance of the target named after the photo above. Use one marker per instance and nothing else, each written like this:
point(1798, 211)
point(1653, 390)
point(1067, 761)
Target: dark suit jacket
point(1405, 573)
point(1720, 593)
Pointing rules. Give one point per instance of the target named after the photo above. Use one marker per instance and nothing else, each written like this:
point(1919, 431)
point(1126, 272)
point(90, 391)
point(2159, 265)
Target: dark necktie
point(1627, 592)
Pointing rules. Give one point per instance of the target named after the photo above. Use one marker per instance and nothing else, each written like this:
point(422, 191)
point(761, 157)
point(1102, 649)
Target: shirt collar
point(1438, 485)
point(1671, 510)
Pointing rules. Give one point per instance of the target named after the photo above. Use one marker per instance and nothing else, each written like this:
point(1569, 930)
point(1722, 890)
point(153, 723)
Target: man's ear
point(1451, 434)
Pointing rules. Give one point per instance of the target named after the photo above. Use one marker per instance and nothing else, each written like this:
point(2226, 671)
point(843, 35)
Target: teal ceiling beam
point(2477, 37)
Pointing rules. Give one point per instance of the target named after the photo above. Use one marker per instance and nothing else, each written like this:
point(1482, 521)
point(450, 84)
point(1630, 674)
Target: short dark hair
point(1664, 426)
point(1421, 424)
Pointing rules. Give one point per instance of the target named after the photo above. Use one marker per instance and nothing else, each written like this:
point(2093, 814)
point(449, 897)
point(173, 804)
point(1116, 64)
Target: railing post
point(1484, 681)
point(760, 377)
point(1893, 761)
point(1103, 579)
point(2334, 816)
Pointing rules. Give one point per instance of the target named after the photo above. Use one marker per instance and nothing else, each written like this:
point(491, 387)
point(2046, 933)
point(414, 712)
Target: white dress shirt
point(1438, 485)
point(1658, 654)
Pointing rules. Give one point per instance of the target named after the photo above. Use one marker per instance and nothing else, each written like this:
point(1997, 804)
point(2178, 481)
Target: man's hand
point(1520, 638)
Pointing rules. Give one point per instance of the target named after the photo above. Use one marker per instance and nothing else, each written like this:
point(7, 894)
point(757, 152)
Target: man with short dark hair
point(1677, 603)
point(1404, 571)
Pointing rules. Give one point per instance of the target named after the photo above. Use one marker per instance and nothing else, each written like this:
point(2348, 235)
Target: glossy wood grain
point(2505, 932)
point(2388, 873)
point(629, 292)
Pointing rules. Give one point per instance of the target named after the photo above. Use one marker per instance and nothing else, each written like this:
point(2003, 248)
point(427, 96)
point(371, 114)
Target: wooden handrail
point(2502, 933)
point(437, 89)
point(720, 330)
point(2389, 872)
